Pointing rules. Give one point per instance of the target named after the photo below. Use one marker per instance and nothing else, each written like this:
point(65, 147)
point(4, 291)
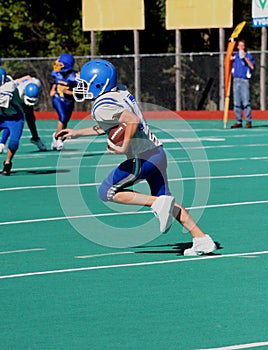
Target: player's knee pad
point(103, 194)
point(107, 193)
point(13, 145)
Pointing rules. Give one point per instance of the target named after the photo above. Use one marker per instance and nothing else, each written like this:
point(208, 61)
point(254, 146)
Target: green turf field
point(77, 273)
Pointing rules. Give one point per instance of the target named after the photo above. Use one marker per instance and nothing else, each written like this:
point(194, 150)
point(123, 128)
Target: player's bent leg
point(202, 243)
point(57, 144)
point(163, 208)
point(15, 127)
point(125, 175)
point(186, 220)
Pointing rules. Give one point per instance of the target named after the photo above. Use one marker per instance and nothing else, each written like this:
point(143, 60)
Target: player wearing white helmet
point(146, 159)
point(29, 91)
point(11, 117)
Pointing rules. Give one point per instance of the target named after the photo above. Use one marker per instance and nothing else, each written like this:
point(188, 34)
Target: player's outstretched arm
point(73, 134)
point(22, 78)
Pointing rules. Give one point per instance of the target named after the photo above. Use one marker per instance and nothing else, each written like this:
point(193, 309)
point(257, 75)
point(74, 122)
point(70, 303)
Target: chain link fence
point(200, 78)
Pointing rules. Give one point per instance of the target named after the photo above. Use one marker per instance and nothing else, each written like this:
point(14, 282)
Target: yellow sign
point(197, 14)
point(112, 15)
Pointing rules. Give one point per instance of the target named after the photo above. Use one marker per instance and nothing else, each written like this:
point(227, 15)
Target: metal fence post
point(221, 77)
point(178, 70)
point(137, 70)
point(92, 44)
point(263, 68)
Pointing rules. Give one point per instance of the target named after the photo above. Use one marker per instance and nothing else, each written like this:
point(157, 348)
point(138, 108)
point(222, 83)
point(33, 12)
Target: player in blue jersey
point(11, 117)
point(242, 66)
point(146, 158)
point(29, 90)
point(62, 94)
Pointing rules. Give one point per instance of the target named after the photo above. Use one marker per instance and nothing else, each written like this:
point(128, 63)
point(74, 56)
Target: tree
point(46, 28)
point(31, 28)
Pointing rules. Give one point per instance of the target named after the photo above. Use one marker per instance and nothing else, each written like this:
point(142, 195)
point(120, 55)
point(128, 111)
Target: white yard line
point(70, 217)
point(146, 263)
point(208, 206)
point(22, 251)
point(241, 346)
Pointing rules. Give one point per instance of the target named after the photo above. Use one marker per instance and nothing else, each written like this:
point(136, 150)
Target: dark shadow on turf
point(100, 153)
point(176, 248)
point(39, 172)
point(37, 152)
point(86, 155)
point(50, 151)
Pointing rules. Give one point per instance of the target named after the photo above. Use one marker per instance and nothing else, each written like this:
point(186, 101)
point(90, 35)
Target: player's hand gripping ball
point(116, 136)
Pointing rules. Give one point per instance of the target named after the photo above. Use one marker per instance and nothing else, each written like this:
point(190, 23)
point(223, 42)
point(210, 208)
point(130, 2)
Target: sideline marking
point(22, 251)
point(104, 267)
point(241, 346)
point(208, 206)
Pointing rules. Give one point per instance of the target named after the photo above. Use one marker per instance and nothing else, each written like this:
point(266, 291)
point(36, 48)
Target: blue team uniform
point(63, 103)
point(146, 159)
point(27, 108)
point(11, 113)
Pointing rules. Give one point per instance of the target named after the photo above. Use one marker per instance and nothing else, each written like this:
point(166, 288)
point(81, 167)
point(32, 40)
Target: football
point(117, 134)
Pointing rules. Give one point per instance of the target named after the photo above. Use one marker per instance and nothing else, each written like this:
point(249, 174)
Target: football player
point(146, 158)
point(62, 94)
point(29, 90)
point(11, 116)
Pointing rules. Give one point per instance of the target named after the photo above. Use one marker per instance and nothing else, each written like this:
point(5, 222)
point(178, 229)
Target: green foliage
point(46, 28)
point(242, 12)
point(41, 28)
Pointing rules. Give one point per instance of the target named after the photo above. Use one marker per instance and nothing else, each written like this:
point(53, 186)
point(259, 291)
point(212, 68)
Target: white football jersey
point(21, 85)
point(9, 99)
point(107, 110)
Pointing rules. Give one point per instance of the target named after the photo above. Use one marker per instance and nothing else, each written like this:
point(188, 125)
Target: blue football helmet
point(3, 76)
point(96, 77)
point(31, 94)
point(64, 63)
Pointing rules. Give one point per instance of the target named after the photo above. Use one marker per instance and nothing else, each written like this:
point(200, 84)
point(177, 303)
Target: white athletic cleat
point(41, 146)
point(163, 208)
point(56, 145)
point(2, 147)
point(201, 245)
